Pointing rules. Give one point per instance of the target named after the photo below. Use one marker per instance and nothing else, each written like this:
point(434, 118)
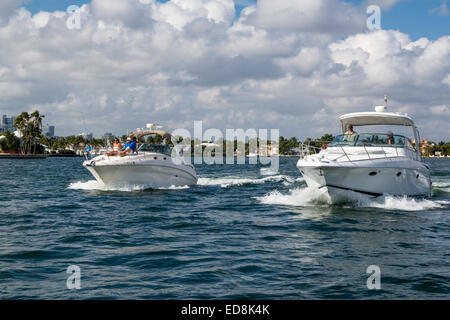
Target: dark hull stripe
point(349, 189)
point(374, 194)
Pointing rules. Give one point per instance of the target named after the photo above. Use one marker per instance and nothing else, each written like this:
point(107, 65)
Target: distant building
point(48, 131)
point(87, 136)
point(7, 123)
point(108, 136)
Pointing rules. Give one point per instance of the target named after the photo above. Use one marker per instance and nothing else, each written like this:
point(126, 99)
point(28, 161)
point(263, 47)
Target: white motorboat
point(152, 166)
point(371, 164)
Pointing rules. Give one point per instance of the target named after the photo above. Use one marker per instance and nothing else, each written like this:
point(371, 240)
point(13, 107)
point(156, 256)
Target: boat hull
point(150, 175)
point(372, 181)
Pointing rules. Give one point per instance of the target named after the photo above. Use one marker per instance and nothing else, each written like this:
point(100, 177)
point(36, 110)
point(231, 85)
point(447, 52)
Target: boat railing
point(368, 155)
point(307, 149)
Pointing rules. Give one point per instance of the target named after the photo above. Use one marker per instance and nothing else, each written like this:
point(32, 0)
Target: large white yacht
point(372, 163)
point(152, 166)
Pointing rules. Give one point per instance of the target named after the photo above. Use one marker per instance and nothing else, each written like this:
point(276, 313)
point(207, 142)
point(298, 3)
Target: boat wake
point(312, 197)
point(226, 182)
point(94, 185)
point(441, 187)
point(223, 182)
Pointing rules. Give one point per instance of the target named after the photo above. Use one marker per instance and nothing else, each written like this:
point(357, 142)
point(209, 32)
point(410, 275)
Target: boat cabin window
point(364, 139)
point(158, 148)
point(344, 140)
point(409, 144)
point(371, 139)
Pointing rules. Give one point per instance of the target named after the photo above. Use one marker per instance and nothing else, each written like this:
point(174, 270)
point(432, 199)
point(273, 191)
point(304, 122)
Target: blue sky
point(418, 18)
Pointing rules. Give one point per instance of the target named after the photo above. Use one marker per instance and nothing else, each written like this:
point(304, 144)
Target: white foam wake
point(226, 182)
point(407, 204)
point(296, 197)
point(95, 185)
point(312, 197)
point(442, 186)
point(268, 171)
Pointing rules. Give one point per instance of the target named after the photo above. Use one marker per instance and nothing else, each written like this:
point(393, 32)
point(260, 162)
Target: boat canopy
point(375, 118)
point(142, 133)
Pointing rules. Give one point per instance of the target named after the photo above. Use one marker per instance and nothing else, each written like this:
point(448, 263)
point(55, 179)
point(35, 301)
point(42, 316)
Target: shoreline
point(22, 156)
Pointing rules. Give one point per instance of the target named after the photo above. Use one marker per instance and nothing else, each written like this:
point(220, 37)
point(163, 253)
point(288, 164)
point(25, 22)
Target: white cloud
point(187, 60)
point(178, 13)
point(131, 13)
point(447, 80)
point(6, 9)
point(442, 9)
point(440, 110)
point(318, 16)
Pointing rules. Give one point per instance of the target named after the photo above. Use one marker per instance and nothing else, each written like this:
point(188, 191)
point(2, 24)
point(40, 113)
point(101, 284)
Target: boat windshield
point(158, 148)
point(371, 139)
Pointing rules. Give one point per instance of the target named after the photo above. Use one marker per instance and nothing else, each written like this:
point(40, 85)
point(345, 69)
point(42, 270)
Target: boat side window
point(380, 139)
point(364, 139)
point(158, 148)
point(399, 140)
point(351, 138)
point(409, 144)
point(383, 139)
point(144, 147)
point(344, 140)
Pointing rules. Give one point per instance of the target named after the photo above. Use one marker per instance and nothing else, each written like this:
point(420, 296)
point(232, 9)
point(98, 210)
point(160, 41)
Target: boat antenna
point(84, 121)
point(385, 100)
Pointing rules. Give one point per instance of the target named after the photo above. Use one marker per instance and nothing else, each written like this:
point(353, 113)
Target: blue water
point(243, 232)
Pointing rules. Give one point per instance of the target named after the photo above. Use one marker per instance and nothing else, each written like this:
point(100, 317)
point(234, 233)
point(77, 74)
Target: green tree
point(9, 142)
point(36, 129)
point(287, 144)
point(30, 128)
point(21, 122)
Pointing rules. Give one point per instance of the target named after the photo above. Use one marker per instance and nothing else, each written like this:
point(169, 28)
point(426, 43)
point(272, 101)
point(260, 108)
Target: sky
point(295, 65)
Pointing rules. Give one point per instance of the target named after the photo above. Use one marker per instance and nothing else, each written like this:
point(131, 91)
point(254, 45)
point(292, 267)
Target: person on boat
point(130, 147)
point(117, 147)
point(390, 137)
point(87, 151)
point(350, 135)
point(350, 130)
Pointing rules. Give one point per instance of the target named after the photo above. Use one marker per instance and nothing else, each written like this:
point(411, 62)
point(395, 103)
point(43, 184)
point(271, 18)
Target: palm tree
point(30, 128)
point(21, 122)
point(36, 128)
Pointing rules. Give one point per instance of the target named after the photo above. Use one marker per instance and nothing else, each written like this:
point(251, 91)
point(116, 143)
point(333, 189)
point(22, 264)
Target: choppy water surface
point(243, 232)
